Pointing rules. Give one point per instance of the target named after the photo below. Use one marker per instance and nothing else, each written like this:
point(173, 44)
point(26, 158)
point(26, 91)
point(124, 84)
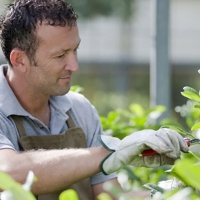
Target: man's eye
point(61, 56)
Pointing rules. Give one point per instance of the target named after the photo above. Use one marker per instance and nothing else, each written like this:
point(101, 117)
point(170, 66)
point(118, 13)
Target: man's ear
point(19, 59)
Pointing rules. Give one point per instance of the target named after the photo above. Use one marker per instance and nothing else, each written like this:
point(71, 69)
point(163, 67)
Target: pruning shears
point(151, 152)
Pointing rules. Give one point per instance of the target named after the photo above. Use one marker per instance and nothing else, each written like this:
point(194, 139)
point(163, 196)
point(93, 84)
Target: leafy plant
point(122, 122)
point(185, 170)
point(14, 190)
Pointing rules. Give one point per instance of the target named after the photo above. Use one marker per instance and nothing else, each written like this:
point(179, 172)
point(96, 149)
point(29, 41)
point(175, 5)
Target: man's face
point(56, 58)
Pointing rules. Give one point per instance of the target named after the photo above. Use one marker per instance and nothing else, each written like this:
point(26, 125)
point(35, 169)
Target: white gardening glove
point(166, 142)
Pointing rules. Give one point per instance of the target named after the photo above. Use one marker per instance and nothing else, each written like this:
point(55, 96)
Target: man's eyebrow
point(64, 50)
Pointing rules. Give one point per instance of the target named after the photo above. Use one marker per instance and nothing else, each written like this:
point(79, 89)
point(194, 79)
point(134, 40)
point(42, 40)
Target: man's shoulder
point(80, 103)
point(3, 117)
point(5, 122)
point(72, 100)
point(74, 96)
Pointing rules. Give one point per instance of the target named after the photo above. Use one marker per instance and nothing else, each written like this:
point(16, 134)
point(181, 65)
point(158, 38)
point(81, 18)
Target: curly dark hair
point(18, 25)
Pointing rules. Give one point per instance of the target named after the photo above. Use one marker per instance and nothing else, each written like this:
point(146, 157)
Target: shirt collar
point(61, 103)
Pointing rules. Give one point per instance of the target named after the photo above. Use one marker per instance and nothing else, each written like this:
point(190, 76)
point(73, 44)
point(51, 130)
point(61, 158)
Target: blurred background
point(116, 47)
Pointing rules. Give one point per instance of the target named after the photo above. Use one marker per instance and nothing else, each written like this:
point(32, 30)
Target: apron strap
point(70, 121)
point(19, 125)
point(21, 130)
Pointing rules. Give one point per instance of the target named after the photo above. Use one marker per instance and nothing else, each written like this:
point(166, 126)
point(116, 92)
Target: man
point(49, 130)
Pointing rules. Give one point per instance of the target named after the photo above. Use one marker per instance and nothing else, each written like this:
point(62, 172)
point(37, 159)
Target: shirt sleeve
point(5, 142)
point(8, 134)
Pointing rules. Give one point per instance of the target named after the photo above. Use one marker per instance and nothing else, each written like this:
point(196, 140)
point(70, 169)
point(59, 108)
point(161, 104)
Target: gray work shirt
point(82, 112)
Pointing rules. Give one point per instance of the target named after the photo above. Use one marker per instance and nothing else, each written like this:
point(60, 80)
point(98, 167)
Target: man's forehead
point(58, 37)
point(44, 30)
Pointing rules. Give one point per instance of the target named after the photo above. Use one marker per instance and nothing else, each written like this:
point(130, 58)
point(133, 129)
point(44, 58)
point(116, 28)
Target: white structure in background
point(110, 40)
point(104, 39)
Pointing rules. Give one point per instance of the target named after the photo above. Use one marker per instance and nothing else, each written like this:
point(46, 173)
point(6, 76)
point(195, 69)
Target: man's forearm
point(54, 169)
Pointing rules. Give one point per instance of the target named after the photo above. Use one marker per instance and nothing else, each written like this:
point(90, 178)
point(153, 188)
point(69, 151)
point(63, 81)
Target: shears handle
point(151, 152)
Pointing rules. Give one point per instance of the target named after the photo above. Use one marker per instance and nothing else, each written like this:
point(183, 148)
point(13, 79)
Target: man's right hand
point(166, 142)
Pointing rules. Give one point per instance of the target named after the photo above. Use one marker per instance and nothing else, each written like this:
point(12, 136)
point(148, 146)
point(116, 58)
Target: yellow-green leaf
point(8, 184)
point(104, 196)
point(196, 155)
point(187, 172)
point(197, 106)
point(76, 88)
point(152, 186)
point(18, 193)
point(189, 89)
point(196, 126)
point(69, 195)
point(191, 93)
point(137, 109)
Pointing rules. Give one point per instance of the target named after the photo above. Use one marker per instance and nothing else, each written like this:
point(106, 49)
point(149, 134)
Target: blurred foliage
point(107, 92)
point(122, 122)
point(92, 8)
point(189, 113)
point(87, 9)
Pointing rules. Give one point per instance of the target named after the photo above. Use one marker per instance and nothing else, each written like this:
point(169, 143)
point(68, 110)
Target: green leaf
point(191, 94)
point(6, 182)
point(112, 189)
point(177, 129)
point(131, 174)
point(196, 126)
point(18, 193)
point(189, 89)
point(113, 116)
point(139, 121)
point(137, 109)
point(196, 155)
point(12, 188)
point(197, 106)
point(104, 196)
point(68, 195)
point(158, 108)
point(76, 88)
point(152, 186)
point(187, 172)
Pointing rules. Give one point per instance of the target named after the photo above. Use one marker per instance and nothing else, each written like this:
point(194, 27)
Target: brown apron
point(74, 137)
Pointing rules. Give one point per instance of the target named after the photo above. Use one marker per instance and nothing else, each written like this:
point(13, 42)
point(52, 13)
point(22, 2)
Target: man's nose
point(72, 63)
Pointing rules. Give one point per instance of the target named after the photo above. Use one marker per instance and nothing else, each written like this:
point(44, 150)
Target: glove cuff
point(104, 143)
point(102, 163)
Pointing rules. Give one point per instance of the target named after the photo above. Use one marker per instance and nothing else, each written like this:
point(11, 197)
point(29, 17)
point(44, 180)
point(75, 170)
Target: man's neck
point(35, 104)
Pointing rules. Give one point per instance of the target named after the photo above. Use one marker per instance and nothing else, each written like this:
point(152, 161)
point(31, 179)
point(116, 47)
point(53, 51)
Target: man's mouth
point(66, 78)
